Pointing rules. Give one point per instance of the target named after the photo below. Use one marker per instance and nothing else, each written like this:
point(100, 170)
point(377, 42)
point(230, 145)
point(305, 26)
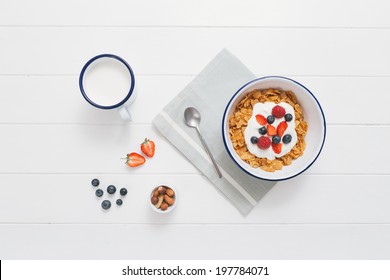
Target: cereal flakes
point(243, 112)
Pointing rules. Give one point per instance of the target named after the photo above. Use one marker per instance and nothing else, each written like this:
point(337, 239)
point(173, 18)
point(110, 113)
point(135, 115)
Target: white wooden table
point(52, 143)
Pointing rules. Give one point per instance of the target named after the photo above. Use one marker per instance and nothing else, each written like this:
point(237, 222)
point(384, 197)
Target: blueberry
point(123, 191)
point(270, 119)
point(95, 182)
point(106, 204)
point(287, 138)
point(263, 130)
point(99, 192)
point(119, 202)
point(288, 117)
point(254, 140)
point(111, 189)
point(276, 139)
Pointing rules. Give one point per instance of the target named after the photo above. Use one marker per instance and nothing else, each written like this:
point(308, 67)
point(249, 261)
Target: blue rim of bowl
point(225, 140)
point(86, 67)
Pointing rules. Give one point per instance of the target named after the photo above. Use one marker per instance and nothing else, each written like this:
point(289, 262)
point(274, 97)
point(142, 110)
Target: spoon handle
point(209, 153)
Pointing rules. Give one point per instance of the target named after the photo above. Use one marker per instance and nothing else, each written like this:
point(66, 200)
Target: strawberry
point(148, 147)
point(134, 159)
point(282, 126)
point(261, 119)
point(277, 148)
point(278, 111)
point(271, 131)
point(264, 142)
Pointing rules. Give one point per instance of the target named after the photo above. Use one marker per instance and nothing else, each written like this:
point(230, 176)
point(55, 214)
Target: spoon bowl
point(192, 118)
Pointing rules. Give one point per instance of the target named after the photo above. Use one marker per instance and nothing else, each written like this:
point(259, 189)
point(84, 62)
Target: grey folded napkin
point(210, 92)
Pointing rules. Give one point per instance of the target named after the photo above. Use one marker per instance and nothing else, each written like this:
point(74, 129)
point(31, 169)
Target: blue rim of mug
point(85, 69)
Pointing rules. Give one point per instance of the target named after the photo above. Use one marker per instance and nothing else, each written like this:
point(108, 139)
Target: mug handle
point(124, 112)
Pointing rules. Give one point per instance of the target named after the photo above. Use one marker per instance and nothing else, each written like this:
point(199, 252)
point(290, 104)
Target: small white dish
point(170, 208)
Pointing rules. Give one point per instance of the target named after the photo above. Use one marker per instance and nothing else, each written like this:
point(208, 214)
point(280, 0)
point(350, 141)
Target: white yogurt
point(253, 126)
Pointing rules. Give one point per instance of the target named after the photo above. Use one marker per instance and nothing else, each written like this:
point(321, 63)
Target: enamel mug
point(107, 82)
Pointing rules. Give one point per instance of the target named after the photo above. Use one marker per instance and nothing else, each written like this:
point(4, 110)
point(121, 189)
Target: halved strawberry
point(148, 147)
point(134, 159)
point(271, 131)
point(277, 148)
point(282, 126)
point(261, 119)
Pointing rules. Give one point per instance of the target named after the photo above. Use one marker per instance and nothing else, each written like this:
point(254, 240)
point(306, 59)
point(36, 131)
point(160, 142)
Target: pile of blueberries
point(111, 189)
point(276, 138)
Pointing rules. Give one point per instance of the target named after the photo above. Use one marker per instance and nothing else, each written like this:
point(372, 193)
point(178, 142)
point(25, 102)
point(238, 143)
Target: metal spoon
point(192, 117)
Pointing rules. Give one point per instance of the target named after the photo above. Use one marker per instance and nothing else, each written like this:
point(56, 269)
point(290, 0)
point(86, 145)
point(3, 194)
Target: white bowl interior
point(313, 115)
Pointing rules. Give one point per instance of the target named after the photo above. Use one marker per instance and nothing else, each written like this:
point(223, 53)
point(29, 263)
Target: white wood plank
point(85, 148)
point(278, 51)
point(194, 242)
point(306, 13)
point(307, 199)
point(40, 99)
point(98, 149)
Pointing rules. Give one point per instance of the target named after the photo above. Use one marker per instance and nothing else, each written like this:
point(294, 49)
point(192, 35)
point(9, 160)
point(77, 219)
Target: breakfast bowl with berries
point(273, 128)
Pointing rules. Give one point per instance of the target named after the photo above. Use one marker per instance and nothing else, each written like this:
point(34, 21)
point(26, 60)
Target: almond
point(170, 192)
point(169, 200)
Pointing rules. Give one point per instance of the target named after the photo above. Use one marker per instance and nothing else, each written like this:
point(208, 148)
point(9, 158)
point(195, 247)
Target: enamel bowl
point(312, 112)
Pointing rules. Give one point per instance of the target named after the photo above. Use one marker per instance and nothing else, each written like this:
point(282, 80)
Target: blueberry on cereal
point(276, 139)
point(288, 117)
point(270, 119)
point(287, 139)
point(254, 140)
point(263, 130)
